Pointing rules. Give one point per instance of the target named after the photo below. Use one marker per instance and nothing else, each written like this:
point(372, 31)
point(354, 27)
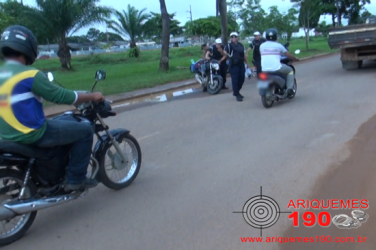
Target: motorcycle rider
point(219, 54)
point(255, 45)
point(271, 52)
point(22, 119)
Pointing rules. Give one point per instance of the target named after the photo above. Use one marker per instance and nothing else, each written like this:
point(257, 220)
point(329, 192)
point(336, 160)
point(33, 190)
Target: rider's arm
point(284, 51)
point(291, 56)
point(224, 55)
point(44, 88)
point(207, 54)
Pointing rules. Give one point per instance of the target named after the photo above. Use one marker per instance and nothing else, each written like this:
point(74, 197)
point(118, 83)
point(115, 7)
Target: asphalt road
point(205, 156)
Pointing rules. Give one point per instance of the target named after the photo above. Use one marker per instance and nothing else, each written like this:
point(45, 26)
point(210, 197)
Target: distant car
point(44, 57)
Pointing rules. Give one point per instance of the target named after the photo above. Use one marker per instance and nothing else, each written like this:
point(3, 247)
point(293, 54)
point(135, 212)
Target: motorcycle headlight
point(215, 66)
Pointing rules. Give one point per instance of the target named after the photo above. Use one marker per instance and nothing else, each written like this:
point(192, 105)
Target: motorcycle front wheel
point(10, 186)
point(216, 86)
point(115, 173)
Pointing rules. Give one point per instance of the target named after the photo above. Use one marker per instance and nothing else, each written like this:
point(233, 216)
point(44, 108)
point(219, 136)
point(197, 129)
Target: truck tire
point(349, 65)
point(360, 64)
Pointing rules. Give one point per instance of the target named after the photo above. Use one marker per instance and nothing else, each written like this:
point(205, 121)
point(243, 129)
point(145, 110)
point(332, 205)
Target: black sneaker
point(87, 183)
point(290, 92)
point(241, 95)
point(239, 99)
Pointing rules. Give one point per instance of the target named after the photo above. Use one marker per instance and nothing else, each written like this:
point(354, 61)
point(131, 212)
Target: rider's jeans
point(80, 135)
point(286, 70)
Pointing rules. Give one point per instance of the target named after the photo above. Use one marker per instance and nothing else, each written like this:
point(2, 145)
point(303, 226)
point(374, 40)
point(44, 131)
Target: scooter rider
point(22, 119)
point(271, 52)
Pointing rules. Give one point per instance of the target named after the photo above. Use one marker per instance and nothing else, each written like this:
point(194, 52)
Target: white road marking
point(147, 136)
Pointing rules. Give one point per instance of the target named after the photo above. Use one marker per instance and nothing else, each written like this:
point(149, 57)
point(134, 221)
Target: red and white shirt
point(271, 55)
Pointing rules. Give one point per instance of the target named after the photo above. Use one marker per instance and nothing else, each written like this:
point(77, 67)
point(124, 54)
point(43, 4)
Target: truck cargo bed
point(352, 36)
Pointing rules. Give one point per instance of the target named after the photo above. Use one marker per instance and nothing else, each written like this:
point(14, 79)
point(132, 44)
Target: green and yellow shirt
point(22, 89)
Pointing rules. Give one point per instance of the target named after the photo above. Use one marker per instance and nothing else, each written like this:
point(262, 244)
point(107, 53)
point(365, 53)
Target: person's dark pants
point(237, 73)
point(223, 72)
point(80, 135)
point(257, 64)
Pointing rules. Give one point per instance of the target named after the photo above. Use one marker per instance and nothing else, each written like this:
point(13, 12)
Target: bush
point(134, 52)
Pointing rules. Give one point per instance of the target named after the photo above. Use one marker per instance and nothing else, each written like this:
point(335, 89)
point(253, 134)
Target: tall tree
point(5, 20)
point(208, 27)
point(93, 34)
point(164, 63)
point(251, 14)
point(16, 11)
point(130, 23)
point(63, 18)
point(221, 7)
point(153, 27)
point(309, 15)
point(346, 8)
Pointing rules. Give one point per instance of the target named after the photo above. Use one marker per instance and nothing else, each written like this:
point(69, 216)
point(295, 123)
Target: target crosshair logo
point(261, 211)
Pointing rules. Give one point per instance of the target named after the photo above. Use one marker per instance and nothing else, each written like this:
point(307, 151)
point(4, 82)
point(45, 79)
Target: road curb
point(154, 90)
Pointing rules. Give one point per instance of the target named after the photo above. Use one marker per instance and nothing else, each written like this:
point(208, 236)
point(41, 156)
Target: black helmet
point(20, 39)
point(271, 34)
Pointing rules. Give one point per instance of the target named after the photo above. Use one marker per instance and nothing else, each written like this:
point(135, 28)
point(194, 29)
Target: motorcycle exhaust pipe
point(6, 213)
point(17, 207)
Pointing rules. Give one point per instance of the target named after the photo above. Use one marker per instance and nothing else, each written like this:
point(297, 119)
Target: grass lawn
point(126, 74)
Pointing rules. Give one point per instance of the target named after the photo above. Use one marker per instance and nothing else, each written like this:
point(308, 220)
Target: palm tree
point(164, 64)
point(130, 23)
point(63, 18)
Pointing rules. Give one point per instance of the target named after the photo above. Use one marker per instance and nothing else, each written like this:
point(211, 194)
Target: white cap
point(234, 34)
point(256, 33)
point(218, 40)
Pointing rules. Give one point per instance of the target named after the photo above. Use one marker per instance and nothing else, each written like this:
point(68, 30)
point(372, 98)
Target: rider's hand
point(98, 97)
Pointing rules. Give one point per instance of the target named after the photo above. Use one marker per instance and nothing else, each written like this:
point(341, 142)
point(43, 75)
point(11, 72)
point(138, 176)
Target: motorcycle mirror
point(50, 76)
point(297, 51)
point(100, 75)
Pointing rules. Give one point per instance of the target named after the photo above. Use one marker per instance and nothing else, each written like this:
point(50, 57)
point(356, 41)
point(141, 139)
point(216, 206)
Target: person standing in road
point(235, 51)
point(255, 45)
point(219, 54)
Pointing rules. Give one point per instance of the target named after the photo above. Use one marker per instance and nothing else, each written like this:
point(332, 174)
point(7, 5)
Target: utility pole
point(190, 12)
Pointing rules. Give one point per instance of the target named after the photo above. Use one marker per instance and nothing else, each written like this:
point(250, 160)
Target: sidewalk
point(58, 109)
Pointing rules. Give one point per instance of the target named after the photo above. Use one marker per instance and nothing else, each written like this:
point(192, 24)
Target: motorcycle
point(32, 178)
point(213, 81)
point(272, 86)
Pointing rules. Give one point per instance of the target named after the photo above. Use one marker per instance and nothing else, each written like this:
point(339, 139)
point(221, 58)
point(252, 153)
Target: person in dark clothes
point(235, 51)
point(217, 53)
point(204, 48)
point(255, 45)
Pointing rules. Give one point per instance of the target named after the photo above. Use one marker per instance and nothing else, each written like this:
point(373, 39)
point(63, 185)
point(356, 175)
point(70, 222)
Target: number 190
point(310, 220)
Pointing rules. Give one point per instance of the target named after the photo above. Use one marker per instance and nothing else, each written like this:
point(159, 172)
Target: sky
point(200, 8)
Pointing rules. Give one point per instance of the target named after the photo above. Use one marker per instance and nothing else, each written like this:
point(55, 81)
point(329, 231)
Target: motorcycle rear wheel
point(26, 220)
